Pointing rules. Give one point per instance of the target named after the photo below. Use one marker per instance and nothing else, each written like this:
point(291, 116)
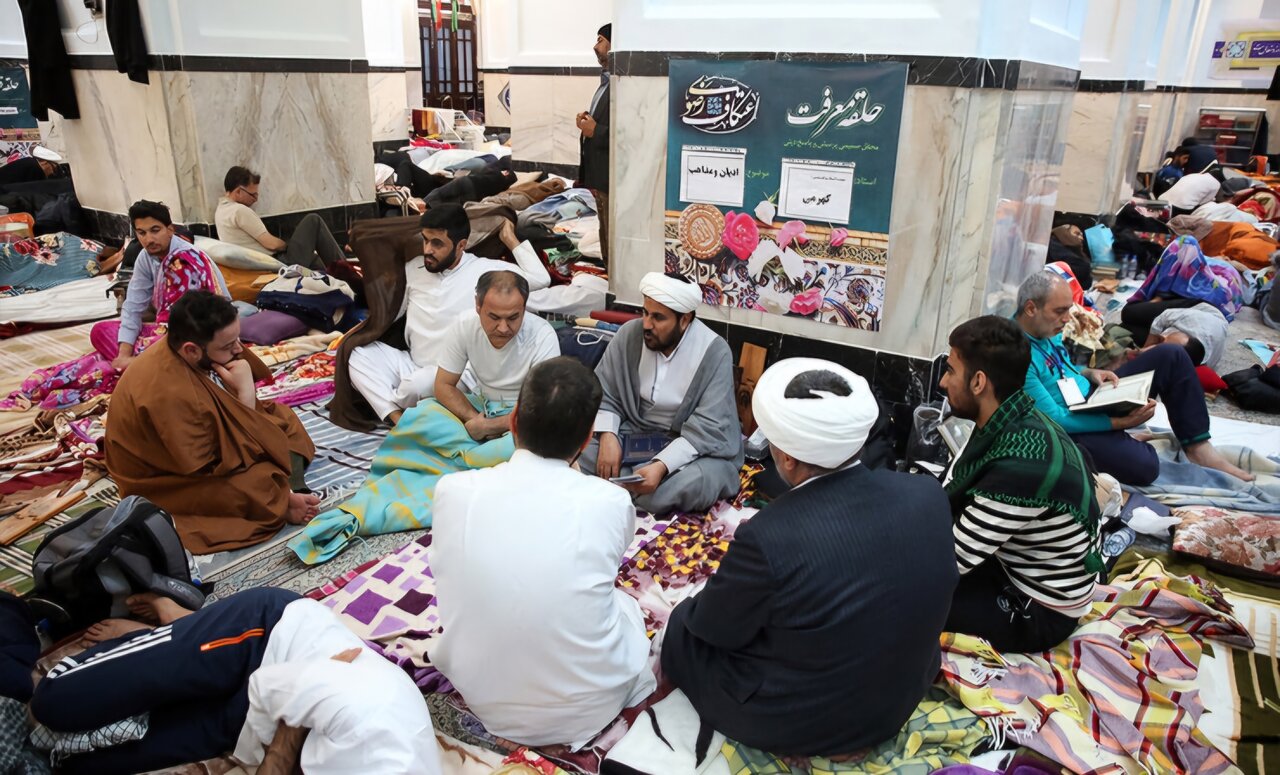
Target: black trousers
point(988, 605)
point(1139, 315)
point(191, 676)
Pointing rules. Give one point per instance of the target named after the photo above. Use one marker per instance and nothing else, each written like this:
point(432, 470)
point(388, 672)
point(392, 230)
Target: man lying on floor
point(1044, 307)
point(275, 677)
point(531, 548)
point(1026, 518)
point(668, 381)
point(187, 431)
point(500, 342)
point(437, 292)
point(818, 635)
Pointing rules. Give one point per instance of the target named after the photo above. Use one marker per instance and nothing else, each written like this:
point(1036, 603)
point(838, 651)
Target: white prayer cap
point(40, 152)
point(677, 295)
point(824, 429)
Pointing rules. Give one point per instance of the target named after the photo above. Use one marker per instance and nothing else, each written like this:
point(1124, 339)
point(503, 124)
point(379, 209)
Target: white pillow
point(236, 257)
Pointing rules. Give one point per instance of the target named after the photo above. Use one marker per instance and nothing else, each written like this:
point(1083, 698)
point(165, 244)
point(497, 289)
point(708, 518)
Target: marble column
point(979, 156)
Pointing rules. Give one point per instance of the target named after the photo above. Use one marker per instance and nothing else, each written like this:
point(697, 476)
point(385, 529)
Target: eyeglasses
point(250, 193)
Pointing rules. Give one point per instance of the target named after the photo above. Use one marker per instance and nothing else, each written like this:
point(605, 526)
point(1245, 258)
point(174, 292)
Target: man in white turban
point(818, 635)
point(668, 427)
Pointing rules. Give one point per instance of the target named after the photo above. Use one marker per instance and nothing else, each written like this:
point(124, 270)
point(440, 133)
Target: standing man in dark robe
point(593, 123)
point(669, 418)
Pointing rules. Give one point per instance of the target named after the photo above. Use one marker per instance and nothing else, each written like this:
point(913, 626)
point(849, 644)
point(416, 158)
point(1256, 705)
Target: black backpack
point(86, 568)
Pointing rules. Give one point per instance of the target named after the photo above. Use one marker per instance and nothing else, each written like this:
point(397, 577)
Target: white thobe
point(541, 644)
point(392, 379)
point(365, 716)
point(664, 383)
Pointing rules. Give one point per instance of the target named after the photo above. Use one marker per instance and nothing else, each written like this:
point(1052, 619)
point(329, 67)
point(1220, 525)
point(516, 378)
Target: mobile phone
point(631, 479)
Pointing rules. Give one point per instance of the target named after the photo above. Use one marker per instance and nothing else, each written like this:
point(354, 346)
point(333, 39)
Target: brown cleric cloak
point(177, 438)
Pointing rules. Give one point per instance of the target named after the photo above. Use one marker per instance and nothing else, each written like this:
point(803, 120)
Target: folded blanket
point(426, 444)
point(1186, 484)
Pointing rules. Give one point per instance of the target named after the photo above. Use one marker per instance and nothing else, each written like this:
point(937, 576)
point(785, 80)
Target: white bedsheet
point(1263, 439)
point(74, 301)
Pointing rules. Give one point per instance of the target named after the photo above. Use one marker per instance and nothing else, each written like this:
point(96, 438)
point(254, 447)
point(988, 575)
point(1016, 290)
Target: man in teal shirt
point(1044, 307)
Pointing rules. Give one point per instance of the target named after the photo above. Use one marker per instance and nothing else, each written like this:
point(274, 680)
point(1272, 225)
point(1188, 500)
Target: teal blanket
point(426, 444)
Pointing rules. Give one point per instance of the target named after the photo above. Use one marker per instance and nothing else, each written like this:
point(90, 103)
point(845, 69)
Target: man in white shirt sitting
point(311, 244)
point(438, 291)
point(669, 415)
point(553, 652)
point(500, 343)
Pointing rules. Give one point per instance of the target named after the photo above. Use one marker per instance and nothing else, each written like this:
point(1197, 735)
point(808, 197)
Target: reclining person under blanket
point(818, 635)
point(668, 380)
point(276, 677)
point(438, 289)
point(1044, 307)
point(532, 546)
point(1026, 518)
point(187, 431)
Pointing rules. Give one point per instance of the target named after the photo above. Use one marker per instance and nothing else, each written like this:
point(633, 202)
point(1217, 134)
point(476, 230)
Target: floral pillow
point(1229, 537)
point(49, 260)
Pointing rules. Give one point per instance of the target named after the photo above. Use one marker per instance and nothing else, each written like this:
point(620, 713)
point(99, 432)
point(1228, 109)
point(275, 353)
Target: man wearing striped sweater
point(1021, 497)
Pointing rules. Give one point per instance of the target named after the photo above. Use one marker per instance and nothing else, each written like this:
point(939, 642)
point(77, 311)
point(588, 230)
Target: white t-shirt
point(239, 225)
point(1203, 321)
point(498, 373)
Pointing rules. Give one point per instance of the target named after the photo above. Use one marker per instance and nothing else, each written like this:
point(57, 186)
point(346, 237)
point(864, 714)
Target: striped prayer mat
point(22, 355)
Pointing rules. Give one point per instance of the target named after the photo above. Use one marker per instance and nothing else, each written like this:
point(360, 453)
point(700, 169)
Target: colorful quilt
point(1115, 697)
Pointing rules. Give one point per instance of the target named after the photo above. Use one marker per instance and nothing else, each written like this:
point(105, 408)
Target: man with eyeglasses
point(311, 244)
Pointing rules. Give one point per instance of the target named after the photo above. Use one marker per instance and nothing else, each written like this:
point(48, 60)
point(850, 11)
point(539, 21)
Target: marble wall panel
point(496, 97)
point(1096, 167)
point(120, 149)
point(308, 134)
point(388, 102)
point(413, 87)
point(1032, 136)
point(543, 109)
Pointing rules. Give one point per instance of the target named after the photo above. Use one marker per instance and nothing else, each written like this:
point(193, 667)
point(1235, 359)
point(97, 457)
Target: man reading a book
point(1056, 384)
point(668, 389)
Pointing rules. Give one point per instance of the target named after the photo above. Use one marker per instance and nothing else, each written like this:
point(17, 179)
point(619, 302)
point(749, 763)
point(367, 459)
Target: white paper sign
point(713, 175)
point(816, 190)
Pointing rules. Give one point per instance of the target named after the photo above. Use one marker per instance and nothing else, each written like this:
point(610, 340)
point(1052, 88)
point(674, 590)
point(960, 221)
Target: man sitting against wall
point(311, 244)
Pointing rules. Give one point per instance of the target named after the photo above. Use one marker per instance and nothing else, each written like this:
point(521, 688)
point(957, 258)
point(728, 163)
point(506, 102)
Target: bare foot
point(156, 608)
point(1204, 454)
point(302, 508)
point(110, 629)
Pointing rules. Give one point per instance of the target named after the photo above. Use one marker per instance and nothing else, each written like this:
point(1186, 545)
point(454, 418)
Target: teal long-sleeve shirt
point(1050, 363)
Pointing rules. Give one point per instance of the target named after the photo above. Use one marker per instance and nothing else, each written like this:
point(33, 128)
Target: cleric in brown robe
point(186, 431)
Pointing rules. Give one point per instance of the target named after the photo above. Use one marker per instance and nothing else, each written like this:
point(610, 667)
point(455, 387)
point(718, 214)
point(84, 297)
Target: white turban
point(825, 430)
point(677, 295)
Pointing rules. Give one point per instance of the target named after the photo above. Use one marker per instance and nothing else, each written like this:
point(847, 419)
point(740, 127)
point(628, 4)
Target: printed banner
point(780, 184)
point(15, 100)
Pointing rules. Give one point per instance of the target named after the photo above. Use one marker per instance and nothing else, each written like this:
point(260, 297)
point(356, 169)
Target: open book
point(1118, 400)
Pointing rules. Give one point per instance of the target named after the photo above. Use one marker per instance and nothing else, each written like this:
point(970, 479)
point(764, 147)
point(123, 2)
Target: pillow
point(1210, 381)
point(1242, 541)
point(270, 327)
point(236, 257)
point(528, 177)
